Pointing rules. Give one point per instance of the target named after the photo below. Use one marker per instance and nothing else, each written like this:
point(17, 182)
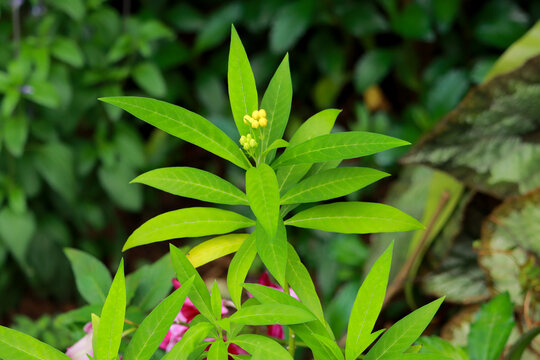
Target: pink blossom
point(82, 348)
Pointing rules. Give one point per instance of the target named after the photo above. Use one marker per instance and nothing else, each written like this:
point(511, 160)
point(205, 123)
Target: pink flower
point(82, 348)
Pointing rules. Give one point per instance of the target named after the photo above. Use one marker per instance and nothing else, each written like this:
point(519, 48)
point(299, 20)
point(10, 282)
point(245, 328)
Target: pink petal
point(237, 350)
point(177, 331)
point(275, 331)
point(82, 348)
point(176, 283)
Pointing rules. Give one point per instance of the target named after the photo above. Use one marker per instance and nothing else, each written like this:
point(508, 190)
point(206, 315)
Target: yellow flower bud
point(255, 115)
point(252, 143)
point(246, 146)
point(263, 122)
point(262, 113)
point(248, 137)
point(243, 140)
point(255, 124)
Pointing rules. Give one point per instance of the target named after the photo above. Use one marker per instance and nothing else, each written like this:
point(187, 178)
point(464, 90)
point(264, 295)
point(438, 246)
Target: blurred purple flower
point(83, 347)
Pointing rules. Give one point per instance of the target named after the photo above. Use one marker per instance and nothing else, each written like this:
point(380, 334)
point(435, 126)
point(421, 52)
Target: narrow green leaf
point(319, 124)
point(265, 347)
point(199, 294)
point(218, 351)
point(215, 301)
point(311, 334)
point(403, 333)
point(345, 145)
point(16, 233)
point(273, 251)
point(263, 195)
point(183, 124)
point(215, 248)
point(354, 218)
point(15, 134)
point(413, 356)
point(190, 222)
point(268, 295)
point(242, 88)
point(367, 306)
point(95, 328)
point(190, 341)
point(111, 324)
point(15, 345)
point(67, 50)
point(277, 102)
point(517, 350)
point(54, 161)
point(150, 79)
point(491, 328)
point(153, 283)
point(269, 314)
point(153, 329)
point(193, 183)
point(279, 143)
point(239, 268)
point(436, 345)
point(331, 184)
point(91, 276)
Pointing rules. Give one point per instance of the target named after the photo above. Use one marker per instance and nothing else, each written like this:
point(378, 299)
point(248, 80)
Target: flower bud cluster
point(257, 118)
point(248, 142)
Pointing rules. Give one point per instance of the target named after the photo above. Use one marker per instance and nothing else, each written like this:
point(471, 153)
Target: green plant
point(306, 171)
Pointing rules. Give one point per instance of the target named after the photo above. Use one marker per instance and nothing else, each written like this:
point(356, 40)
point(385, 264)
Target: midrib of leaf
point(242, 85)
point(365, 316)
point(404, 332)
point(195, 222)
point(271, 123)
point(290, 221)
point(23, 351)
point(184, 125)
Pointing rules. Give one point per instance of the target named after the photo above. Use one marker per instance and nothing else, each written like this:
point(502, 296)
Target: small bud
point(252, 143)
point(255, 115)
point(262, 113)
point(243, 140)
point(249, 137)
point(246, 146)
point(255, 124)
point(263, 122)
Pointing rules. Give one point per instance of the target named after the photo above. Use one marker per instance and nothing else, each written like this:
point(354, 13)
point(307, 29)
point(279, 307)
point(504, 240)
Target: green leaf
point(15, 134)
point(345, 145)
point(239, 268)
point(279, 143)
point(189, 222)
point(115, 180)
point(322, 346)
point(242, 88)
point(111, 323)
point(331, 184)
point(263, 195)
point(149, 78)
point(43, 93)
point(16, 232)
point(319, 124)
point(354, 218)
point(372, 68)
point(218, 351)
point(277, 102)
point(190, 341)
point(154, 283)
point(199, 294)
point(215, 248)
point(269, 314)
point(154, 327)
point(91, 276)
point(403, 333)
point(10, 101)
point(291, 22)
point(367, 306)
point(15, 345)
point(491, 328)
point(438, 346)
point(74, 8)
point(264, 347)
point(273, 250)
point(215, 301)
point(54, 161)
point(413, 356)
point(413, 22)
point(268, 295)
point(524, 341)
point(183, 124)
point(193, 183)
point(67, 50)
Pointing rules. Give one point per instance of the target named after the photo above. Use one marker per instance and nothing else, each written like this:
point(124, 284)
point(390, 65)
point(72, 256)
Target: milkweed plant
point(279, 176)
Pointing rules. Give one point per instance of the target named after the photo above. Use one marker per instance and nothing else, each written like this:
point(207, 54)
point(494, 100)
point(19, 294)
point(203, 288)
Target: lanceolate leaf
point(273, 251)
point(15, 345)
point(331, 184)
point(263, 195)
point(239, 268)
point(91, 276)
point(367, 306)
point(263, 346)
point(190, 341)
point(354, 218)
point(403, 333)
point(198, 294)
point(268, 295)
point(277, 102)
point(218, 351)
point(215, 301)
point(215, 248)
point(345, 145)
point(183, 124)
point(269, 314)
point(190, 222)
point(153, 329)
point(279, 143)
point(319, 124)
point(242, 89)
point(193, 183)
point(519, 347)
point(111, 323)
point(491, 328)
point(322, 350)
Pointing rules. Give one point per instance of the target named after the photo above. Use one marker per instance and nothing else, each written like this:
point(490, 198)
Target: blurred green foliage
point(395, 67)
